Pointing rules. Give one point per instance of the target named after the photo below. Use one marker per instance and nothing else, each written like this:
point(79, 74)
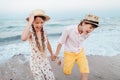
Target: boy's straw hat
point(39, 12)
point(92, 19)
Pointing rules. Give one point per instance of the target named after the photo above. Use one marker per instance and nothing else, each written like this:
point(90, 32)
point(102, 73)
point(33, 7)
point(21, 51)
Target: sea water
point(104, 40)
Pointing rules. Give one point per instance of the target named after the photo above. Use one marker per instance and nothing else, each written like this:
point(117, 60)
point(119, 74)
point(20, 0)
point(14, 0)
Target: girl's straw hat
point(92, 19)
point(39, 12)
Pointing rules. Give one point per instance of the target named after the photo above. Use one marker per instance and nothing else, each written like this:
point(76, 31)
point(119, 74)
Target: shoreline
point(101, 68)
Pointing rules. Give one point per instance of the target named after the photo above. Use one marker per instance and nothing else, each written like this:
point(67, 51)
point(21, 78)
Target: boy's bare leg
point(84, 76)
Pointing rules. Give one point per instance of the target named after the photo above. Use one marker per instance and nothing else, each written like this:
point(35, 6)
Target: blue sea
point(104, 40)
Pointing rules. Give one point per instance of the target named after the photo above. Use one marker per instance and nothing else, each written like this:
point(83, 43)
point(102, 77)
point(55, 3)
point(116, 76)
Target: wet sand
point(101, 68)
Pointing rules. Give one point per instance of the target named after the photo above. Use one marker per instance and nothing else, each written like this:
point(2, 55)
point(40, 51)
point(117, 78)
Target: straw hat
point(39, 12)
point(92, 19)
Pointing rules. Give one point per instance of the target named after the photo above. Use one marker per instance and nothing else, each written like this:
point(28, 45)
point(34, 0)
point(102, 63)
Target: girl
point(39, 42)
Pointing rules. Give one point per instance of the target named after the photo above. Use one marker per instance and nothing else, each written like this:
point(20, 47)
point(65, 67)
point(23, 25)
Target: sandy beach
point(101, 68)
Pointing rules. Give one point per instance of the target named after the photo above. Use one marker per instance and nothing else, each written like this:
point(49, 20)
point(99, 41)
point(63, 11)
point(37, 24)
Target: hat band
point(91, 21)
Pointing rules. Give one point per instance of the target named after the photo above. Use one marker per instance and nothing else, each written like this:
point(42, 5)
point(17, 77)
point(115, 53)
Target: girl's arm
point(50, 48)
point(26, 32)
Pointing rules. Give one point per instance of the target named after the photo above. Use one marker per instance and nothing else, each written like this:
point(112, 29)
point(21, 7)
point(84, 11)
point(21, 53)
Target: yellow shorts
point(79, 58)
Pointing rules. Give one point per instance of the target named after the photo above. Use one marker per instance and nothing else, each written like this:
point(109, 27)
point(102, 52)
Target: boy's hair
point(94, 26)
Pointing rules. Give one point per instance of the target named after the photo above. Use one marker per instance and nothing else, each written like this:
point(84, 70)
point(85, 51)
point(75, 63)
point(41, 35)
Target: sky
point(60, 8)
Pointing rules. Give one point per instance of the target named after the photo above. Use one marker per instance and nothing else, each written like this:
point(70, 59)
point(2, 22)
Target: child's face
point(38, 23)
point(87, 28)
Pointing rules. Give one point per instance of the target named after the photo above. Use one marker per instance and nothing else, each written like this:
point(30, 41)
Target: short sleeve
point(64, 36)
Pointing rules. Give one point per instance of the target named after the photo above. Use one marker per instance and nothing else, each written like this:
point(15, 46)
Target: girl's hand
point(31, 18)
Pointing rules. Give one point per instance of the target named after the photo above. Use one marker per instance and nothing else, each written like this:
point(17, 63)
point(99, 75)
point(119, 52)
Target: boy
point(73, 38)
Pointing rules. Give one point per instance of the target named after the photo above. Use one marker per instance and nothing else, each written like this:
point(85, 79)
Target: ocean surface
point(104, 40)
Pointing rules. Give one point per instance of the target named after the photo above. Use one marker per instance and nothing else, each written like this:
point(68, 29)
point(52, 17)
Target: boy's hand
point(59, 62)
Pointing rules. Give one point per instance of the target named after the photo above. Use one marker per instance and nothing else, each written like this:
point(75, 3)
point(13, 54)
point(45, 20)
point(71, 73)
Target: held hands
point(53, 57)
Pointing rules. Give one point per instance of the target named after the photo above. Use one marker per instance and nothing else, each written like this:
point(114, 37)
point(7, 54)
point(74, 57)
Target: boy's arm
point(58, 50)
point(61, 41)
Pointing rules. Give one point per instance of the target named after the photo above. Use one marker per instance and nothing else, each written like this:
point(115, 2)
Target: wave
point(55, 25)
point(17, 37)
point(54, 34)
point(13, 38)
point(10, 26)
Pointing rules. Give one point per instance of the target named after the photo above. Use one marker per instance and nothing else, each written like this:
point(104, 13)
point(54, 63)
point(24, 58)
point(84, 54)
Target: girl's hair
point(94, 26)
point(40, 46)
point(40, 17)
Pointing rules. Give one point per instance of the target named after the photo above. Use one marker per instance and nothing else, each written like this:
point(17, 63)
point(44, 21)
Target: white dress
point(40, 65)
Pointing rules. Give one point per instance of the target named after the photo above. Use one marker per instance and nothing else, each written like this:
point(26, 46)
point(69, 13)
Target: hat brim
point(91, 23)
point(46, 17)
